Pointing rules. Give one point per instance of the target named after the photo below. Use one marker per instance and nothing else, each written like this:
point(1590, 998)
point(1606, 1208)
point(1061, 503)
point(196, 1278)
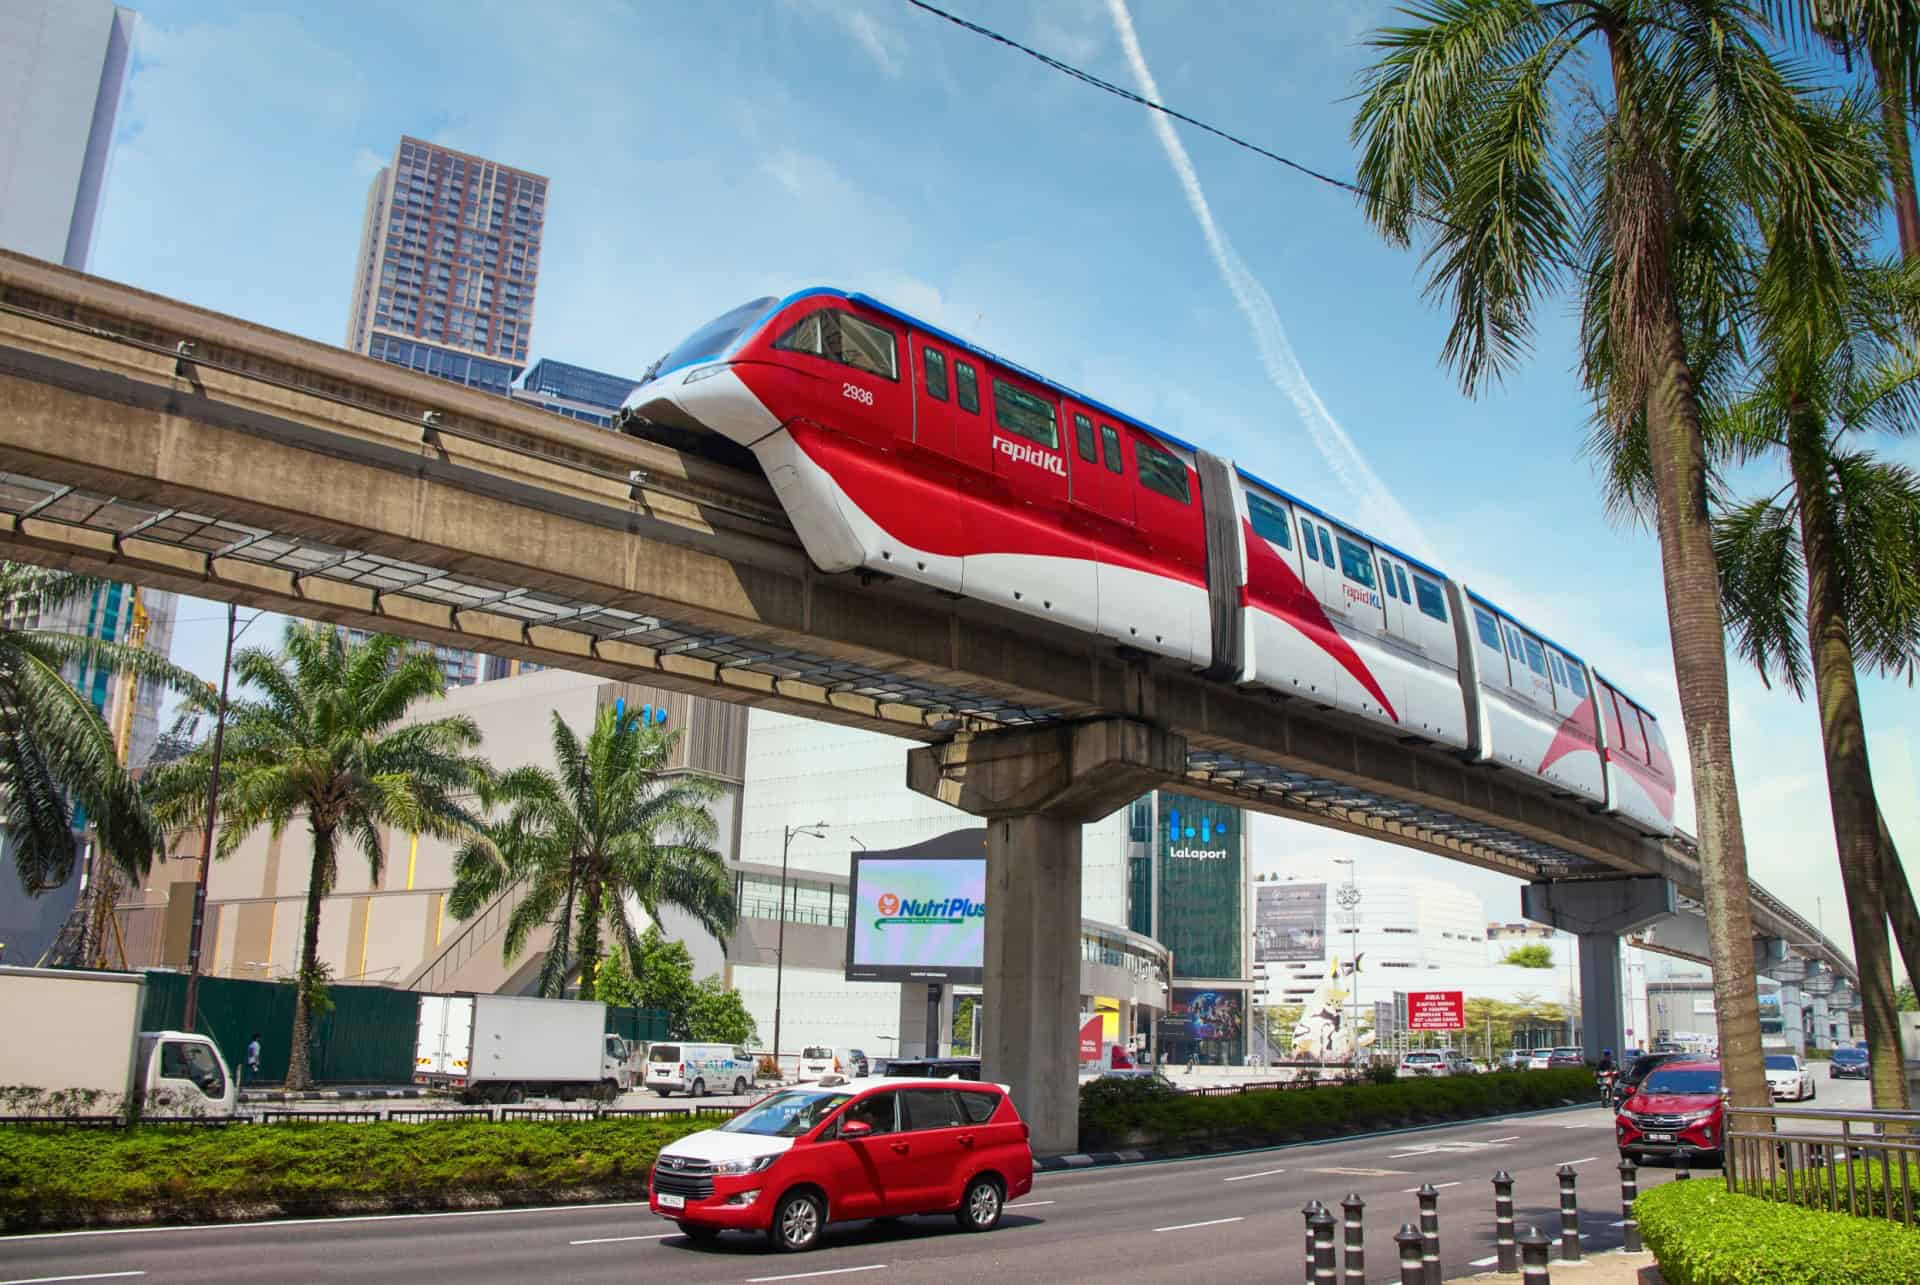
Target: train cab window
point(966, 387)
point(1401, 572)
point(1536, 657)
point(1161, 471)
point(1489, 631)
point(845, 338)
point(935, 362)
point(1110, 448)
point(1326, 548)
point(1432, 601)
point(1083, 437)
point(1019, 411)
point(1269, 521)
point(1355, 563)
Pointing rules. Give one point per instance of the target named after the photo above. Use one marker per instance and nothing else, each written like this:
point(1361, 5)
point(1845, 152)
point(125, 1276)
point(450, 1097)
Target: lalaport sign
point(1436, 1010)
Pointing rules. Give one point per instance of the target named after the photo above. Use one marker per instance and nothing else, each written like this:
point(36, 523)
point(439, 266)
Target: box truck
point(506, 1048)
point(74, 1045)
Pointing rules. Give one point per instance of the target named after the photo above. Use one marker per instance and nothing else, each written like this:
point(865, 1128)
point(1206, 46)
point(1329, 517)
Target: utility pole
point(818, 830)
point(206, 835)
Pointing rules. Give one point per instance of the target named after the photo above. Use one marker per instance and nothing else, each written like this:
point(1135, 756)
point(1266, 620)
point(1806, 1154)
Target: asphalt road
point(1228, 1218)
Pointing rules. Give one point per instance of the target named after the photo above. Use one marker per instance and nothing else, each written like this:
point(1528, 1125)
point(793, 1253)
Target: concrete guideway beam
point(1038, 786)
point(1599, 912)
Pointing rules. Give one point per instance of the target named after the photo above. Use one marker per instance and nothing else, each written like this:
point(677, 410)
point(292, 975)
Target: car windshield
point(787, 1115)
point(715, 337)
point(1679, 1080)
point(1781, 1062)
point(816, 1054)
point(1849, 1055)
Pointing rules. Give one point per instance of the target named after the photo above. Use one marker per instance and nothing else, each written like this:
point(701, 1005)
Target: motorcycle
point(1606, 1081)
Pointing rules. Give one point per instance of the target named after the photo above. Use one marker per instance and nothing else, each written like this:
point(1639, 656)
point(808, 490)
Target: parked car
point(936, 1068)
point(836, 1150)
point(1788, 1077)
point(817, 1060)
point(1516, 1059)
point(1677, 1110)
point(1847, 1064)
point(700, 1069)
point(1459, 1063)
point(1421, 1065)
point(1567, 1055)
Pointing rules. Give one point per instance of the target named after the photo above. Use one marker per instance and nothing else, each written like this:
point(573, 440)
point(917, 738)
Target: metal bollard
point(1355, 1270)
point(1430, 1232)
point(1680, 1172)
point(1503, 1242)
point(1412, 1270)
point(1569, 1216)
point(1323, 1248)
point(1307, 1211)
point(1629, 1192)
point(1533, 1257)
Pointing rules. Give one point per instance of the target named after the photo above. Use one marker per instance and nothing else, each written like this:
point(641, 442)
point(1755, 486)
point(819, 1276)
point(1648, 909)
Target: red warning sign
point(1436, 1010)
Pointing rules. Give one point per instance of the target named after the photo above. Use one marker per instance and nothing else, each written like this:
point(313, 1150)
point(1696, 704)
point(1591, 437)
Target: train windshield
point(715, 337)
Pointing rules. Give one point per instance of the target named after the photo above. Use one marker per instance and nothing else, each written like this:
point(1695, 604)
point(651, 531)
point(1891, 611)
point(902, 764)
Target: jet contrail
point(1384, 512)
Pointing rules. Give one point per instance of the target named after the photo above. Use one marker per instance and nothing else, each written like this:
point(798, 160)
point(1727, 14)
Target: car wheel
point(665, 1093)
point(739, 1086)
point(699, 1089)
point(1812, 1092)
point(514, 1095)
point(980, 1207)
point(699, 1234)
point(797, 1221)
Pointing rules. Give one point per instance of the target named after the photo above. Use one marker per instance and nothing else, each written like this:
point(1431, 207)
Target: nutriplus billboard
point(1289, 922)
point(920, 918)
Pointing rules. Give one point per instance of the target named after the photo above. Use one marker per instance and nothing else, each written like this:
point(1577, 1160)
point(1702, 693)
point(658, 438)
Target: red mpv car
point(1678, 1109)
point(832, 1151)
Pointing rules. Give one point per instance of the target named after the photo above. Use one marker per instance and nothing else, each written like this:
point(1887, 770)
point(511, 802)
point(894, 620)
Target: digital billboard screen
point(1289, 922)
point(917, 919)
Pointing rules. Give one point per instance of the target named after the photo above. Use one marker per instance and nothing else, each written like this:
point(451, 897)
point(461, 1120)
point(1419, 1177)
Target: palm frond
point(1762, 589)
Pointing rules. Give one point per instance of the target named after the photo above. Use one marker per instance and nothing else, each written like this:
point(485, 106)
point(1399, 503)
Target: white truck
point(74, 1046)
point(507, 1048)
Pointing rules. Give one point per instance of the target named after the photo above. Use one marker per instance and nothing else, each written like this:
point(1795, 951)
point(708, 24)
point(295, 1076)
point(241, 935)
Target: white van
point(817, 1060)
point(699, 1069)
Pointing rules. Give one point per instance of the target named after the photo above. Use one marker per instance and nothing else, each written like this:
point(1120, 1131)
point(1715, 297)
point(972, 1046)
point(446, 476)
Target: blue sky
point(701, 155)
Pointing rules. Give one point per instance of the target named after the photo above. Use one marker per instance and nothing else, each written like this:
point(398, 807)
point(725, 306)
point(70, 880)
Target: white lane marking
point(308, 1222)
point(1511, 1137)
point(616, 1240)
point(1264, 1173)
point(1211, 1222)
point(1581, 1161)
point(1484, 1262)
point(1030, 1204)
point(1362, 1173)
point(1438, 1186)
point(94, 1276)
point(831, 1271)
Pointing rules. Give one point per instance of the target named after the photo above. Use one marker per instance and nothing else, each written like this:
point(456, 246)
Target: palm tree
point(55, 749)
point(323, 742)
point(1477, 123)
point(1846, 528)
point(608, 831)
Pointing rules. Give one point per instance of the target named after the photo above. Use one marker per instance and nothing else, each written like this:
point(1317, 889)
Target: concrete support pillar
point(1599, 912)
point(1037, 787)
point(1819, 1035)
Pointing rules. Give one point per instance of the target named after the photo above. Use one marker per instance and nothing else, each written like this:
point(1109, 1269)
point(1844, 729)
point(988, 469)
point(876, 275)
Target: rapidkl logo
point(1022, 453)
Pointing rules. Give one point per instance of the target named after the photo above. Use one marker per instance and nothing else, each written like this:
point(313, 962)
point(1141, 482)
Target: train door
point(1377, 686)
point(1575, 759)
point(1093, 488)
point(1418, 613)
point(1157, 600)
point(1027, 454)
point(1288, 642)
point(932, 397)
point(972, 436)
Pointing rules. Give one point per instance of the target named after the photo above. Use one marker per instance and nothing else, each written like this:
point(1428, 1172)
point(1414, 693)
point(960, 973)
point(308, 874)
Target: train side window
point(1513, 645)
point(1559, 671)
point(1326, 548)
point(1489, 631)
point(1110, 448)
point(966, 387)
point(1432, 601)
point(1083, 436)
point(1401, 572)
point(1536, 657)
point(1355, 563)
point(1161, 471)
point(1306, 533)
point(1269, 521)
point(1386, 578)
point(1019, 411)
point(1576, 680)
point(844, 338)
point(935, 363)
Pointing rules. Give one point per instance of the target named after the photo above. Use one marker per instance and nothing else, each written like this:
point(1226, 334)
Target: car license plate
point(668, 1201)
point(1651, 1137)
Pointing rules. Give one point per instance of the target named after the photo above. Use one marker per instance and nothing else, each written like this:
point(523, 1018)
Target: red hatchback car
point(833, 1151)
point(1678, 1109)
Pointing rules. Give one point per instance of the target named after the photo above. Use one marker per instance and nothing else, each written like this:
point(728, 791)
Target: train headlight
point(704, 372)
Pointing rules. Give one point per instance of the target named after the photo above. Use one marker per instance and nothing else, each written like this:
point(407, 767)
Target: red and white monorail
point(901, 449)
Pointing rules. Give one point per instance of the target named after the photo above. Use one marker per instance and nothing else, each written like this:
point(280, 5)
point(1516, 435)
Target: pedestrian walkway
point(1618, 1268)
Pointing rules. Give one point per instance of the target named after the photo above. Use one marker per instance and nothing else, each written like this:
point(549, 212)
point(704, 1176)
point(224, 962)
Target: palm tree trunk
point(1893, 124)
point(590, 899)
point(1856, 828)
point(1900, 906)
point(300, 1060)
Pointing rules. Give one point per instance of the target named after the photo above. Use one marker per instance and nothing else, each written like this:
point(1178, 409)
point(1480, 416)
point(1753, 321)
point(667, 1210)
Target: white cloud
point(880, 42)
point(367, 162)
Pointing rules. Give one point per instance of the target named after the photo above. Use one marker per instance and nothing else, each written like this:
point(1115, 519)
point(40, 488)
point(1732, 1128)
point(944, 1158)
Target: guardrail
point(1868, 1166)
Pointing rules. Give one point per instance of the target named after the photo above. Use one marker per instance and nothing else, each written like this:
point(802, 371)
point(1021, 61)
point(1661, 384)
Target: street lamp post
point(1349, 899)
point(206, 834)
point(817, 830)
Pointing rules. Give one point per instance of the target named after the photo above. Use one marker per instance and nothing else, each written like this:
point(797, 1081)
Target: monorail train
point(898, 448)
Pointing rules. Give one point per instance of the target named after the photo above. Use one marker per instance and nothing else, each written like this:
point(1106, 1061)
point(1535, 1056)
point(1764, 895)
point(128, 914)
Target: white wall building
point(1410, 934)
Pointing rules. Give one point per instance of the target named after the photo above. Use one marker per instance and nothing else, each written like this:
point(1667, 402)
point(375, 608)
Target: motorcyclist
point(1607, 1066)
point(1605, 1076)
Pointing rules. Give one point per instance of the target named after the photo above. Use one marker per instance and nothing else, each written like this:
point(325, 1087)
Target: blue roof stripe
point(1474, 595)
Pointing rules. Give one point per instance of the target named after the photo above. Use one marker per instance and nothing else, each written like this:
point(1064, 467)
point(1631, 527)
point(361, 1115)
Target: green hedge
point(1702, 1234)
point(1868, 1190)
point(1135, 1113)
point(54, 1176)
